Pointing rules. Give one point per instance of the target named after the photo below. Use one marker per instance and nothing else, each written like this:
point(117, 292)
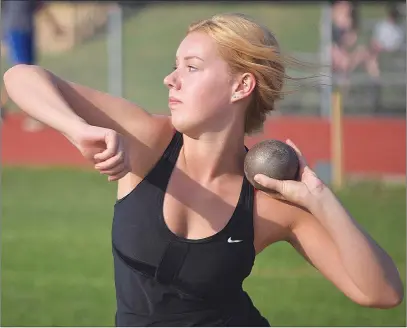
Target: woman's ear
point(244, 86)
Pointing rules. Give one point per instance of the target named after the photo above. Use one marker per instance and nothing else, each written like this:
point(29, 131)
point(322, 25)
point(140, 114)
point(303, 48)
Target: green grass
point(151, 37)
point(57, 263)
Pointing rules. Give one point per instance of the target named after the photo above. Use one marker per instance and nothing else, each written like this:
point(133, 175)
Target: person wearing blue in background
point(18, 26)
point(18, 34)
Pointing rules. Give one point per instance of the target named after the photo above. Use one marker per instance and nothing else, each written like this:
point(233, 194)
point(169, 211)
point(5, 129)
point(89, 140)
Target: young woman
point(187, 224)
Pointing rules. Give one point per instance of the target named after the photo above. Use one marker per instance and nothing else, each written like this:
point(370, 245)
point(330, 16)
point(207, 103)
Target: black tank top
point(165, 280)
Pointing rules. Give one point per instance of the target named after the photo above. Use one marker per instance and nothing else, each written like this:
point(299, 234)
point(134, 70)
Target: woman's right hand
point(106, 149)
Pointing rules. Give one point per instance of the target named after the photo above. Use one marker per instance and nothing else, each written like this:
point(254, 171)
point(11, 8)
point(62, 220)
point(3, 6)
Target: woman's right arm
point(86, 117)
point(59, 103)
point(68, 107)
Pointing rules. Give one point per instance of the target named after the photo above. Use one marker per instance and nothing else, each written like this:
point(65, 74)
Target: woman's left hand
point(298, 192)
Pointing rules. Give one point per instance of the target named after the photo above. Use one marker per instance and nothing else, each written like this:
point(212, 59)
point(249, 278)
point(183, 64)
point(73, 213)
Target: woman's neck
point(212, 155)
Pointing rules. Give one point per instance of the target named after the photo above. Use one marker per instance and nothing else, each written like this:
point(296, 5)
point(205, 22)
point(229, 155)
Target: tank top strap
point(171, 153)
point(245, 211)
point(248, 193)
point(161, 173)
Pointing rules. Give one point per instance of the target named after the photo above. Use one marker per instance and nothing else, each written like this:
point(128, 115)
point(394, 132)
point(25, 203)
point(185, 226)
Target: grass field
point(56, 255)
point(57, 264)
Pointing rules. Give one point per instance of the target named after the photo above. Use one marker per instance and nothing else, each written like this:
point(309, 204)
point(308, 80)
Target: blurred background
point(56, 265)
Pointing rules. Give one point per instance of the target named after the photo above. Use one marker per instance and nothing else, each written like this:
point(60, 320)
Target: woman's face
point(200, 87)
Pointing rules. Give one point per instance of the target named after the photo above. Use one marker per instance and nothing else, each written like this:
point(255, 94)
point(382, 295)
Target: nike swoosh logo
point(230, 240)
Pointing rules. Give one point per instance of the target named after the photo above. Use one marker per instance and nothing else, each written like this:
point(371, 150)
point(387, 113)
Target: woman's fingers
point(111, 162)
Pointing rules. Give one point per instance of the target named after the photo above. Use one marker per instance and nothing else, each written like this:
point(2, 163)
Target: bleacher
point(362, 95)
point(386, 98)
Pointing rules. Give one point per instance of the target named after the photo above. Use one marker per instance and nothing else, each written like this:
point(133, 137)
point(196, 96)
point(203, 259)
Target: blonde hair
point(249, 47)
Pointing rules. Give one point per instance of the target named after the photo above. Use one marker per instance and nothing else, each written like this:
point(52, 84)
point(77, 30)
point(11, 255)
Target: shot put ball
point(272, 158)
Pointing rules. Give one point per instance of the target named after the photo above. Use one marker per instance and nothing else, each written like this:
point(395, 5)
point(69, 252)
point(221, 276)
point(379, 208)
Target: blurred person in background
point(18, 32)
point(388, 36)
point(344, 36)
point(347, 55)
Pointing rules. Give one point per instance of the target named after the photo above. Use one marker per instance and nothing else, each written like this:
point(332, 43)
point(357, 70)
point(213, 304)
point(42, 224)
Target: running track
point(371, 146)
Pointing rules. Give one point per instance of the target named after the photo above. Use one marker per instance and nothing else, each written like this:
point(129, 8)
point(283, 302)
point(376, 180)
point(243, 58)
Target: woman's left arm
point(331, 240)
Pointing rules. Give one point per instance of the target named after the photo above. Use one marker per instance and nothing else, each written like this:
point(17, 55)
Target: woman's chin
point(184, 126)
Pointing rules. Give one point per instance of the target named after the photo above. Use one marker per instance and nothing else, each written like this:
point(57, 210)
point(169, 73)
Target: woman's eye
point(189, 67)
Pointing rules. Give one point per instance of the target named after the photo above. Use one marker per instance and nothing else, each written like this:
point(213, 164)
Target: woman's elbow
point(13, 73)
point(387, 300)
point(19, 70)
point(393, 299)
